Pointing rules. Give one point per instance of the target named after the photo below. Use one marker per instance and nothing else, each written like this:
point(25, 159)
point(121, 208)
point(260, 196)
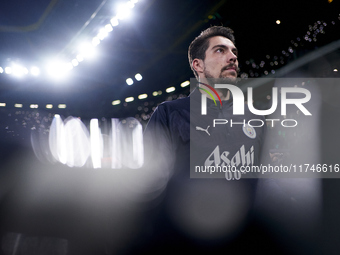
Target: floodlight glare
point(116, 102)
point(114, 22)
point(96, 141)
point(102, 34)
point(19, 70)
point(138, 77)
point(95, 41)
point(58, 69)
point(80, 58)
point(171, 89)
point(35, 71)
point(8, 70)
point(129, 81)
point(75, 62)
point(142, 96)
point(69, 66)
point(130, 4)
point(123, 11)
point(87, 50)
point(185, 84)
point(129, 99)
point(108, 28)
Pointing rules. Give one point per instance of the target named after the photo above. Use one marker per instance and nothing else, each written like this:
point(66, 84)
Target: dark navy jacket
point(174, 132)
point(190, 206)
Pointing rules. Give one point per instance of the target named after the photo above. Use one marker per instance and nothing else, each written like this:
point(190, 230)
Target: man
point(176, 124)
point(198, 212)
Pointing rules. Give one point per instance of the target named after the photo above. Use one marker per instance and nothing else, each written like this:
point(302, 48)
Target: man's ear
point(198, 65)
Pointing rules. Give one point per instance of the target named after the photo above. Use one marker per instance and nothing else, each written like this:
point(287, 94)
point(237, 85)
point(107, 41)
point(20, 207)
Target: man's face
point(220, 60)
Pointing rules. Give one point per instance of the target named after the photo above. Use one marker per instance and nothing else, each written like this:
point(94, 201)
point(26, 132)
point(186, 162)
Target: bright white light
point(34, 106)
point(62, 106)
point(108, 28)
point(138, 77)
point(2, 104)
point(1, 70)
point(95, 41)
point(129, 99)
point(58, 69)
point(142, 96)
point(171, 89)
point(35, 71)
point(130, 4)
point(69, 66)
point(155, 93)
point(96, 141)
point(49, 106)
point(116, 152)
point(57, 139)
point(75, 62)
point(87, 50)
point(19, 70)
point(278, 22)
point(185, 84)
point(134, 1)
point(102, 34)
point(138, 148)
point(77, 142)
point(69, 141)
point(129, 81)
point(114, 22)
point(116, 102)
point(8, 70)
point(335, 70)
point(18, 105)
point(80, 58)
point(124, 11)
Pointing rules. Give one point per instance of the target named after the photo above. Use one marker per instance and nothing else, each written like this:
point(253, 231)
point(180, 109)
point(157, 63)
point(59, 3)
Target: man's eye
point(220, 50)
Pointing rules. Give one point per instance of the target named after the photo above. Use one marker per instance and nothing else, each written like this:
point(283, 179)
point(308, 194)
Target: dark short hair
point(200, 44)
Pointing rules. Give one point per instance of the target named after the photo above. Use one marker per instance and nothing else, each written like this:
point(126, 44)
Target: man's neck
point(224, 94)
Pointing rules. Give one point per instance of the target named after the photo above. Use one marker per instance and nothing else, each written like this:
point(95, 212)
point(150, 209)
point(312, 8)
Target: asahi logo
point(241, 157)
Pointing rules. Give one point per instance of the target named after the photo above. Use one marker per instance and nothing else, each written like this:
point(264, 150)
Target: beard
point(222, 79)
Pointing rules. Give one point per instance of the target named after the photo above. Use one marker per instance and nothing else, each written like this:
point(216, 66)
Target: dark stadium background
point(153, 41)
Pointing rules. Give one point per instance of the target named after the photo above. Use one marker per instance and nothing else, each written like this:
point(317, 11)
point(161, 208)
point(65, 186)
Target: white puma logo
point(202, 129)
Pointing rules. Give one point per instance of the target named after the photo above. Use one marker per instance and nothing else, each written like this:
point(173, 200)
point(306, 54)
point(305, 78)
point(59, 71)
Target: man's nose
point(232, 57)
